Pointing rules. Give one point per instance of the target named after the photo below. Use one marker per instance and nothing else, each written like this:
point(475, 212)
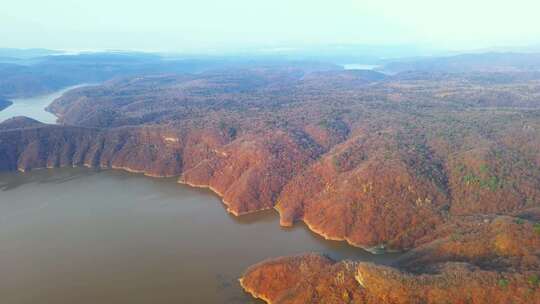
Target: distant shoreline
point(34, 107)
point(4, 104)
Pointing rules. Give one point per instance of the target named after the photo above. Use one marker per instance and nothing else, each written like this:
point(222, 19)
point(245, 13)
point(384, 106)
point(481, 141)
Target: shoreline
point(252, 293)
point(51, 96)
point(372, 250)
point(221, 196)
point(317, 232)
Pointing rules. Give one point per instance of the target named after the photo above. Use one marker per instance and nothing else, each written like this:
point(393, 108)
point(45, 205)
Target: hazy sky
point(180, 25)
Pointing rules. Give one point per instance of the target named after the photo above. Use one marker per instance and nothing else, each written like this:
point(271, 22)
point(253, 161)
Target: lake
point(357, 66)
point(77, 235)
point(34, 107)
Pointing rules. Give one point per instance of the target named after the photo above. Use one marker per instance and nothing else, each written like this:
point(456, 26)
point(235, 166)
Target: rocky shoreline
point(508, 244)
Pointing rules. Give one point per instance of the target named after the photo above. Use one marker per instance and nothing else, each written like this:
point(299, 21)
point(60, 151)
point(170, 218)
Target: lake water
point(84, 236)
point(34, 107)
point(356, 66)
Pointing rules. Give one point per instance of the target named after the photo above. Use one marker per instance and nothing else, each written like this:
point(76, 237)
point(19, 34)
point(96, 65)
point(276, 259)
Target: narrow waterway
point(34, 107)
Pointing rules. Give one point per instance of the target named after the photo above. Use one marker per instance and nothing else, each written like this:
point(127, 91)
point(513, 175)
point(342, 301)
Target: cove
point(77, 235)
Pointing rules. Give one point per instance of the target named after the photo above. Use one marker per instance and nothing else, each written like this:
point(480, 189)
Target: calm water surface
point(34, 107)
point(86, 237)
point(357, 66)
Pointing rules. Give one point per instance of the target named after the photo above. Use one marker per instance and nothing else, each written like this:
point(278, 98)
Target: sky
point(199, 25)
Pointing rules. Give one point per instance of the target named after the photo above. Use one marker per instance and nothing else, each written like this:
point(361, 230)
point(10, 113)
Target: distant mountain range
point(27, 72)
point(485, 62)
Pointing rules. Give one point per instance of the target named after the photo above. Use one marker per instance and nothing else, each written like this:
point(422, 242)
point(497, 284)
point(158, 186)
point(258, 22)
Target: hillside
point(482, 62)
point(443, 165)
point(30, 76)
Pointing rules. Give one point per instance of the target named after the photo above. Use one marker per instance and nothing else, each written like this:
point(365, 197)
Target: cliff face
point(56, 146)
point(418, 162)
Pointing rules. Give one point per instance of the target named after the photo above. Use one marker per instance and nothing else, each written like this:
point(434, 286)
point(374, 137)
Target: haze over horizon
point(167, 25)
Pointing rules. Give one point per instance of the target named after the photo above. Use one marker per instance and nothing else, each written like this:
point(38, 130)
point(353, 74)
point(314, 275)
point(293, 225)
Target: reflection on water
point(34, 107)
point(83, 236)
